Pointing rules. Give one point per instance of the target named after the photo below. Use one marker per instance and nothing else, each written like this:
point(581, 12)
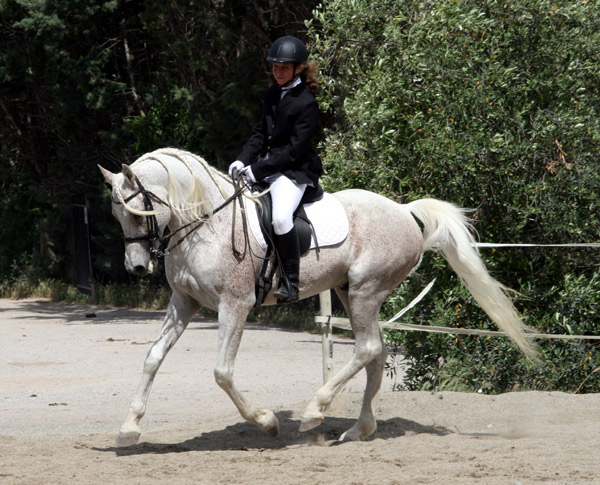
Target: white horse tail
point(447, 229)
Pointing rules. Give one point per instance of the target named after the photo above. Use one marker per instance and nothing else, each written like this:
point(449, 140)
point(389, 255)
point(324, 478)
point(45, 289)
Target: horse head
point(142, 212)
point(167, 187)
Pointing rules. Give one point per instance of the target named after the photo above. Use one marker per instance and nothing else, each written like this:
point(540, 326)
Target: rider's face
point(283, 72)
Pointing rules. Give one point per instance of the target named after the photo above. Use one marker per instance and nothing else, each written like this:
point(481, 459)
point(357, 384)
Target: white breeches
point(286, 196)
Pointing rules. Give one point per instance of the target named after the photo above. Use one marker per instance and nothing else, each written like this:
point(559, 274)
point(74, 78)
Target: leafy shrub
point(490, 105)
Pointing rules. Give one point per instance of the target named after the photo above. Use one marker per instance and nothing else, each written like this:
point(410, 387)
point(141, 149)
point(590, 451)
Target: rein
point(153, 231)
point(198, 223)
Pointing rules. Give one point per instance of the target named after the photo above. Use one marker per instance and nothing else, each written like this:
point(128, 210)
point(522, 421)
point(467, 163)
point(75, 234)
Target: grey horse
point(171, 188)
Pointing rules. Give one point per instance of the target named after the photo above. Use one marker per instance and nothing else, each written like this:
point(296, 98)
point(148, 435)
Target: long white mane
point(188, 203)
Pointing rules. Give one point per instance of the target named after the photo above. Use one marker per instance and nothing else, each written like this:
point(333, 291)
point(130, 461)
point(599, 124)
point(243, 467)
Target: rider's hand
point(235, 169)
point(247, 175)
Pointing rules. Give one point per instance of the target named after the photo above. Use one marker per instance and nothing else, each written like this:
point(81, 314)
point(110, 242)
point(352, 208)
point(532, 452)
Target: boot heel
point(282, 291)
point(287, 292)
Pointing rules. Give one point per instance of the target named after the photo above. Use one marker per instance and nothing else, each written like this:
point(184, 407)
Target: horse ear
point(108, 176)
point(129, 175)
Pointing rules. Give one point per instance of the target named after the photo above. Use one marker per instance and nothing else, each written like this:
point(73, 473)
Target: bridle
point(153, 235)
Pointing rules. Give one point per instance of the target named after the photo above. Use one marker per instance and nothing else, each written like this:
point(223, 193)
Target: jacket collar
point(293, 85)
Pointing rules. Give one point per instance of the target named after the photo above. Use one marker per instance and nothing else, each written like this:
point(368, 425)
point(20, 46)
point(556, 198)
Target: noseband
point(153, 234)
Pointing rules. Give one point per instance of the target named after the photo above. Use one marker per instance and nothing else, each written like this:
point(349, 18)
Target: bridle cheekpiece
point(153, 234)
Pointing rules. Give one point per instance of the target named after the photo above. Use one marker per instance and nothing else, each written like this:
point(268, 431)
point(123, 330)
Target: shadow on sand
point(245, 436)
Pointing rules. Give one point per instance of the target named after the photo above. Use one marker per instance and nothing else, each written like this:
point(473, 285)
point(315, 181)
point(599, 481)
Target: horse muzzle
point(138, 263)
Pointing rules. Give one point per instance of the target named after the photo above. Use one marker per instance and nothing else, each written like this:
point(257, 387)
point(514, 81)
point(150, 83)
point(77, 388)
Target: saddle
point(304, 229)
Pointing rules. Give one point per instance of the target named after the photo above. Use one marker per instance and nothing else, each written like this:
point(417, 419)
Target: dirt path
point(66, 382)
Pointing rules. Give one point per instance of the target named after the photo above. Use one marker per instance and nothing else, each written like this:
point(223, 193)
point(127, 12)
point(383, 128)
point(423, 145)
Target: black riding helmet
point(288, 49)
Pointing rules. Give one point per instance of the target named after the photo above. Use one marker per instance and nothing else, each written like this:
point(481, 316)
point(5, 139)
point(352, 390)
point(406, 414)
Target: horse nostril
point(139, 270)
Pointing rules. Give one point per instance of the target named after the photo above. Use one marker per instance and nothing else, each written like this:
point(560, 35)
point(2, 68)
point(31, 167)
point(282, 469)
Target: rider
point(280, 151)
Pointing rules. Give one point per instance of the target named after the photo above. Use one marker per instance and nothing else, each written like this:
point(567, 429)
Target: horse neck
point(188, 169)
point(218, 189)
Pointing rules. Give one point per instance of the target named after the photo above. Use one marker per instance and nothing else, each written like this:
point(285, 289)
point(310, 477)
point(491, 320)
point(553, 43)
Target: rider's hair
point(309, 75)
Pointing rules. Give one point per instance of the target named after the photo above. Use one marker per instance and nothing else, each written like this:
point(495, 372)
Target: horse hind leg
point(178, 316)
point(367, 424)
point(370, 352)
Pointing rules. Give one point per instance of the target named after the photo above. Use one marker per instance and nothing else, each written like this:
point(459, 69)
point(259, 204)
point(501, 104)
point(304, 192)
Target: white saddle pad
point(327, 216)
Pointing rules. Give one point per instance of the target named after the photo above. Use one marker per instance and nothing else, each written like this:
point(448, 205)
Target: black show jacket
point(285, 133)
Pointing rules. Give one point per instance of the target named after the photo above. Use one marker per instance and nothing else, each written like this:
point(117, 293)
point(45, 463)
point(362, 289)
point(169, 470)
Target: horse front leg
point(179, 314)
point(231, 326)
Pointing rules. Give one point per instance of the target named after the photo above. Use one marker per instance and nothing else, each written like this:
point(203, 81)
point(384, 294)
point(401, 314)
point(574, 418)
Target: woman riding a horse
point(280, 151)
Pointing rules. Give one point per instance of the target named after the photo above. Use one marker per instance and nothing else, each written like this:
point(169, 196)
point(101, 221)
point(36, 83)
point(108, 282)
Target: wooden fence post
point(326, 341)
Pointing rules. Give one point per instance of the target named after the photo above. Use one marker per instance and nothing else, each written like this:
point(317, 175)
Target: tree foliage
point(103, 81)
point(493, 105)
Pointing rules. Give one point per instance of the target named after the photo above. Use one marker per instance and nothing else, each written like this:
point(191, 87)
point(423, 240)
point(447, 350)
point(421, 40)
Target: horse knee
point(153, 361)
point(224, 378)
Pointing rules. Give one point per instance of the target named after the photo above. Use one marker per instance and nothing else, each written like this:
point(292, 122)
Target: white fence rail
point(328, 322)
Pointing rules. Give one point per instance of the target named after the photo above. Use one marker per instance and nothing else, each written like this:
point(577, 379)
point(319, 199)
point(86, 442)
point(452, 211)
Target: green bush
point(493, 106)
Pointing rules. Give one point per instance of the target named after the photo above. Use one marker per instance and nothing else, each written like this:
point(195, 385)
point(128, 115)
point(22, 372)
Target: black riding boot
point(289, 256)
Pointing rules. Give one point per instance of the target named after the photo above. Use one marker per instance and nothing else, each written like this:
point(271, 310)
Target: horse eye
point(137, 220)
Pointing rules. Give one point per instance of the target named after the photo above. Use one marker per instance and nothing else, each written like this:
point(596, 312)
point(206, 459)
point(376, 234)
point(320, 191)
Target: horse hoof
point(309, 423)
point(357, 434)
point(269, 423)
point(273, 430)
point(128, 438)
point(350, 436)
